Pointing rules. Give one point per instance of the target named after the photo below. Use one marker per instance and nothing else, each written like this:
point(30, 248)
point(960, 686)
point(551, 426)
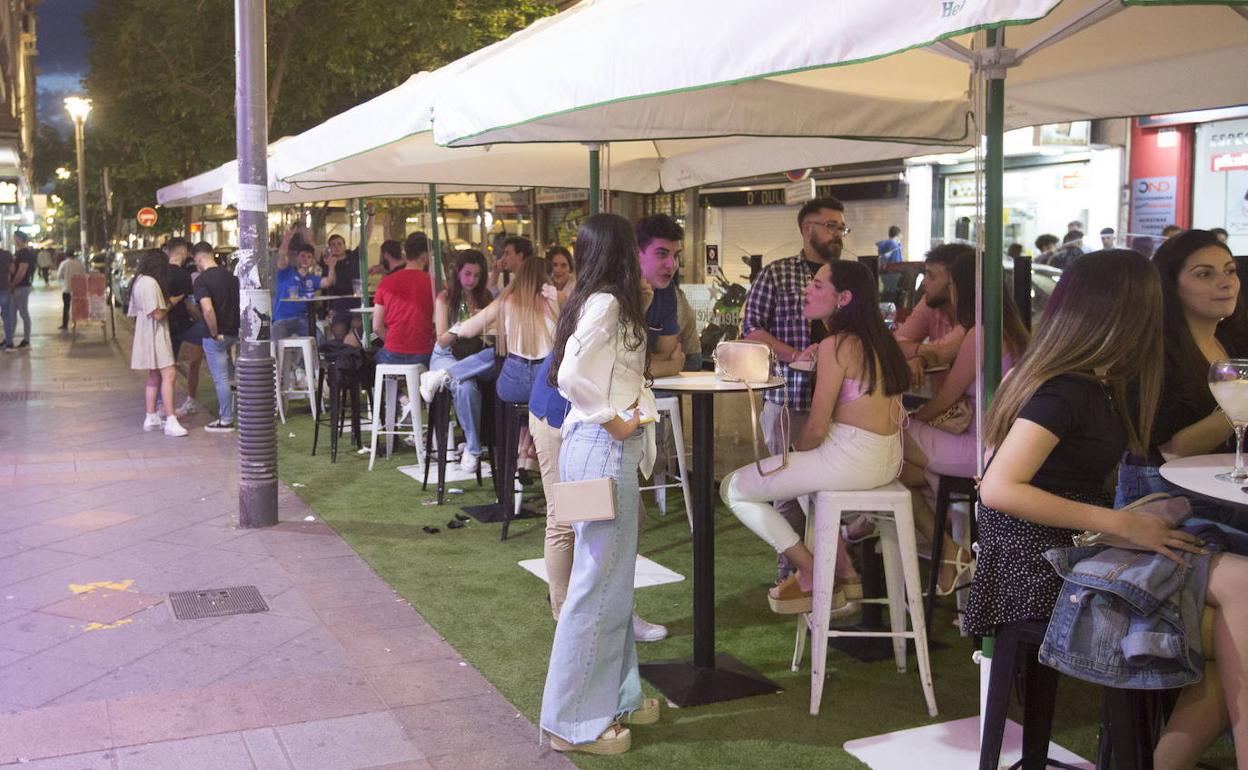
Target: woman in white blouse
point(599, 364)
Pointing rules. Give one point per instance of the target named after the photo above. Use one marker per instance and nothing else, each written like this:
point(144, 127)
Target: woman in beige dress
point(153, 350)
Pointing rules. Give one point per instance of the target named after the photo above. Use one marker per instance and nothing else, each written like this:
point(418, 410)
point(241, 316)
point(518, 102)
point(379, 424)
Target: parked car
point(122, 275)
point(902, 285)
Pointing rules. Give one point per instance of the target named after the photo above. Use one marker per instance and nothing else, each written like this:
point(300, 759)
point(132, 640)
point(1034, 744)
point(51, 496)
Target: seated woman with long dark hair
point(1204, 321)
point(852, 437)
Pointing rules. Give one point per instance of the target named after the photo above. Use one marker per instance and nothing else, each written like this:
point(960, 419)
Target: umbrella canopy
point(811, 68)
point(220, 186)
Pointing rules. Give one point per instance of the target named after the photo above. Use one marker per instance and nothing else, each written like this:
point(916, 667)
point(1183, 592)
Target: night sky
point(62, 56)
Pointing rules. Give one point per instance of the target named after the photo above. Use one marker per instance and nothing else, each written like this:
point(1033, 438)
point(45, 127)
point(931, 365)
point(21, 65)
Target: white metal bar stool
point(890, 506)
point(386, 381)
point(671, 406)
point(306, 347)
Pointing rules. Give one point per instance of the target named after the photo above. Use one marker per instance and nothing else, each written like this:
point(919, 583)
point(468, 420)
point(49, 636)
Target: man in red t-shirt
point(403, 312)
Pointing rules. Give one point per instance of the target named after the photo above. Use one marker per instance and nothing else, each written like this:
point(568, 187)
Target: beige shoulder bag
point(751, 363)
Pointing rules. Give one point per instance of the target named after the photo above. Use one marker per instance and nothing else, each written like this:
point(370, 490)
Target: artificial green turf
point(467, 585)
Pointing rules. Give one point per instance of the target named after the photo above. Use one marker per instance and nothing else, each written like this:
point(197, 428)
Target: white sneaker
point(152, 422)
point(468, 462)
point(173, 427)
point(645, 631)
point(189, 406)
point(431, 382)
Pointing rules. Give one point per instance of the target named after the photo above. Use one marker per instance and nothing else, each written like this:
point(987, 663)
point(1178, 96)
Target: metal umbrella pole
point(257, 436)
point(595, 185)
point(435, 245)
point(365, 318)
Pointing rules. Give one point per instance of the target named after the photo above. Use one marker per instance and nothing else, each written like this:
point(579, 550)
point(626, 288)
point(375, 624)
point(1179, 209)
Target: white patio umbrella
point(868, 69)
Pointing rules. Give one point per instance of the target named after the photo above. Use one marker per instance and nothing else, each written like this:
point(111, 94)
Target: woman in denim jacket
point(1058, 425)
point(1202, 324)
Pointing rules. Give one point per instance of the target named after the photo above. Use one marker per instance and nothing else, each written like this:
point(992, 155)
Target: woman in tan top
point(152, 349)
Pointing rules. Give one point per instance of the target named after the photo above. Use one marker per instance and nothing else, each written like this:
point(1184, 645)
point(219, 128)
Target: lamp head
point(78, 107)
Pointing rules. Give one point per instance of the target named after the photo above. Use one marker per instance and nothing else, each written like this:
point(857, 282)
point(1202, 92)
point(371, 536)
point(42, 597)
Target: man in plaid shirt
point(773, 315)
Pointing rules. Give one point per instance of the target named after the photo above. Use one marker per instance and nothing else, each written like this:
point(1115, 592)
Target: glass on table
point(1228, 381)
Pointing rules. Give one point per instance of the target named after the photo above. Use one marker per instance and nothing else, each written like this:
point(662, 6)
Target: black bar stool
point(512, 416)
point(949, 489)
point(439, 427)
point(343, 384)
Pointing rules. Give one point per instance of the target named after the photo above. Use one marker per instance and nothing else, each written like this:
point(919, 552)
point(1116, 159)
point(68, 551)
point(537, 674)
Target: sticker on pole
point(146, 216)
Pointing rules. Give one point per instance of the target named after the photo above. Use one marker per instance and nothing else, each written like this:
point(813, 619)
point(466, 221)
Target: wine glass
point(1228, 381)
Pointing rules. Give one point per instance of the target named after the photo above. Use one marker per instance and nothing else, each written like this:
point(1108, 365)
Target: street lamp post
point(79, 107)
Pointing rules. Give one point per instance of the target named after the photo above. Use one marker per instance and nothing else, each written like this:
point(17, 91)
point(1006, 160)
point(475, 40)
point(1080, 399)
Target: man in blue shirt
point(290, 319)
point(890, 249)
point(659, 246)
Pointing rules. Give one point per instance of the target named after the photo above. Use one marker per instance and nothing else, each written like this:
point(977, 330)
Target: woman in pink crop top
point(932, 452)
point(852, 436)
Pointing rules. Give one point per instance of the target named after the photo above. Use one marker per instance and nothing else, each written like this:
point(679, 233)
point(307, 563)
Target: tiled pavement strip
point(99, 520)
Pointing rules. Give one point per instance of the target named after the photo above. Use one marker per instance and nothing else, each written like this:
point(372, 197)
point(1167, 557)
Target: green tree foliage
point(161, 73)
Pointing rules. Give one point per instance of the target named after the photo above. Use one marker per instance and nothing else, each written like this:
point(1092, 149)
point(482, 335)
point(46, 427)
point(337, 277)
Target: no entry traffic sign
point(146, 216)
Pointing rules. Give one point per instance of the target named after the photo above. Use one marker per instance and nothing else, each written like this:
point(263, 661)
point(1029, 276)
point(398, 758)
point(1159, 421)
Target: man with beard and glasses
point(773, 315)
point(933, 322)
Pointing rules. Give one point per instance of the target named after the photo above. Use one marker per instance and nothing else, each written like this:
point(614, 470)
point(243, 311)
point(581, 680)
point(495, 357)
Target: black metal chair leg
point(1000, 682)
point(941, 517)
point(320, 409)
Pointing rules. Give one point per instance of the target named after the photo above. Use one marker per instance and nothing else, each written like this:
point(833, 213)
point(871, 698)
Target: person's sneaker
point(152, 422)
point(189, 406)
point(431, 382)
point(216, 426)
point(645, 631)
point(615, 740)
point(468, 462)
point(788, 598)
point(173, 427)
point(24, 344)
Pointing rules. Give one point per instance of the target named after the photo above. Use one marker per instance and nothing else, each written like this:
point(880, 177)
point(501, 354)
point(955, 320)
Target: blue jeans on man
point(386, 356)
point(6, 316)
point(217, 355)
point(18, 306)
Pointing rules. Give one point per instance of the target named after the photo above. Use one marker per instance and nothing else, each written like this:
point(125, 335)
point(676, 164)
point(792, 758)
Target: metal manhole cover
point(216, 602)
point(13, 396)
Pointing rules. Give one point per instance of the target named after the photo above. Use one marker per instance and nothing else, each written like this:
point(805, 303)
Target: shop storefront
point(1220, 180)
point(1054, 175)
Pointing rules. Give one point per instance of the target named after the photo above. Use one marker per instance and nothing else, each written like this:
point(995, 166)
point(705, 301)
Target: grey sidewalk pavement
point(99, 521)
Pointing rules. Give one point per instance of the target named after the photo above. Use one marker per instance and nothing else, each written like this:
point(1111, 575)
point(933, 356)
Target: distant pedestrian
point(1170, 231)
point(1046, 247)
point(45, 261)
point(889, 249)
point(65, 273)
point(1072, 249)
point(216, 293)
point(153, 348)
point(1109, 239)
point(1014, 250)
point(21, 277)
point(6, 299)
point(1074, 225)
point(1219, 233)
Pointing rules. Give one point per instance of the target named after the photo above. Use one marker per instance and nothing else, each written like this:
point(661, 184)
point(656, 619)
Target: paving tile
point(314, 652)
point(294, 604)
point(90, 520)
point(331, 568)
point(35, 631)
point(210, 752)
point(348, 743)
point(266, 750)
point(97, 543)
point(519, 756)
point(39, 679)
point(395, 613)
point(322, 696)
point(410, 765)
point(392, 646)
point(184, 714)
point(156, 553)
point(35, 535)
point(454, 726)
point(54, 731)
point(55, 586)
point(32, 563)
point(265, 574)
point(201, 535)
point(103, 605)
point(325, 595)
point(427, 681)
point(94, 760)
point(258, 631)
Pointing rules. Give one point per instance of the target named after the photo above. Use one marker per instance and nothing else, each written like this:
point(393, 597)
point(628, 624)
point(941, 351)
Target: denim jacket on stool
point(1128, 619)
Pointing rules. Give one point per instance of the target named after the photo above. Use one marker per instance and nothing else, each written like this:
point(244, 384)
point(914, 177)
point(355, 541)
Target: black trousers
point(64, 309)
